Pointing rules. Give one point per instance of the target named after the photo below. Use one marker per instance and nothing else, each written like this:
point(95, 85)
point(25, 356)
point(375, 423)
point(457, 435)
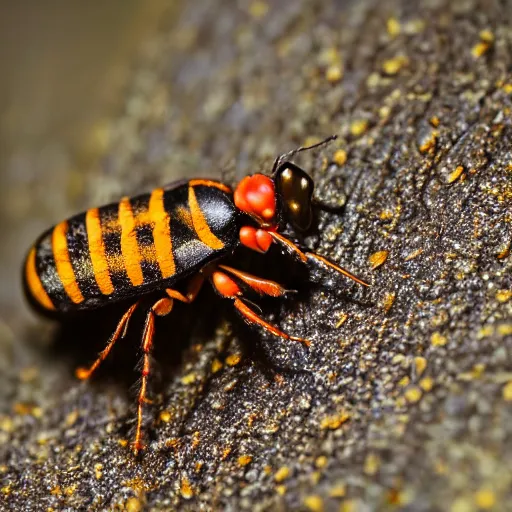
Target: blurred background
point(51, 54)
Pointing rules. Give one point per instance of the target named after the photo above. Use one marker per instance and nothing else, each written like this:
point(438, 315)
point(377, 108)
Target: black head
point(294, 189)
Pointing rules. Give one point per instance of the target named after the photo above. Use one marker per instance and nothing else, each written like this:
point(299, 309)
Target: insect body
point(150, 242)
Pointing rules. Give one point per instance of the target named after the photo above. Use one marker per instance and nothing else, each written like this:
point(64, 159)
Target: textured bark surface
point(403, 399)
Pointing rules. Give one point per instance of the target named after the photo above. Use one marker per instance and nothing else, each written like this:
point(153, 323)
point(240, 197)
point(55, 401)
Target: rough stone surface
point(404, 404)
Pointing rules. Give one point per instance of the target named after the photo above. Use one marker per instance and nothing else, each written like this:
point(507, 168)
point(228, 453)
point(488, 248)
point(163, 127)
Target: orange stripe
point(211, 183)
point(161, 233)
point(129, 245)
point(97, 251)
point(63, 263)
point(200, 225)
point(34, 282)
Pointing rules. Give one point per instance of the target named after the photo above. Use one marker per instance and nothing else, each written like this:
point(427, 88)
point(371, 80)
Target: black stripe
point(150, 269)
point(47, 271)
point(80, 257)
point(112, 241)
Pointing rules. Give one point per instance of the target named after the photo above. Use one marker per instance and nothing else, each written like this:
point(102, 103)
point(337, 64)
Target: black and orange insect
point(150, 242)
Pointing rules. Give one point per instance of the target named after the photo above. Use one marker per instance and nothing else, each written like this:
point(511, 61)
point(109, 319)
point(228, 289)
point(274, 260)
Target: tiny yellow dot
point(412, 395)
point(438, 340)
point(282, 474)
point(485, 499)
point(340, 157)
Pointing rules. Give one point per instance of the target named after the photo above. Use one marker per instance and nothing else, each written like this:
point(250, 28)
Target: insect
point(150, 242)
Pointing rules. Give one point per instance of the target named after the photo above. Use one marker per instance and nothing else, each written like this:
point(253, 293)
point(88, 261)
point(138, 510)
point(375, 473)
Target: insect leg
point(304, 256)
point(194, 287)
point(120, 332)
point(258, 284)
point(229, 289)
point(161, 308)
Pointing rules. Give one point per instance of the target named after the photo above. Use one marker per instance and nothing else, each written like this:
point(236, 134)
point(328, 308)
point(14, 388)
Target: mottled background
point(403, 400)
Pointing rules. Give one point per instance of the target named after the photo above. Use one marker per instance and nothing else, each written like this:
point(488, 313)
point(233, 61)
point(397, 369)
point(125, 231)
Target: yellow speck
point(70, 490)
point(503, 295)
point(438, 340)
point(480, 49)
point(281, 490)
point(243, 460)
point(216, 365)
point(133, 504)
point(505, 329)
point(429, 144)
point(420, 364)
point(321, 462)
point(226, 452)
point(233, 359)
point(6, 424)
point(6, 489)
point(359, 127)
point(404, 381)
point(189, 378)
point(398, 359)
point(394, 65)
point(475, 373)
point(504, 251)
point(507, 88)
point(412, 395)
point(56, 491)
point(371, 464)
point(258, 9)
point(282, 474)
point(454, 175)
point(71, 418)
point(335, 421)
point(426, 384)
point(487, 36)
point(386, 215)
point(393, 27)
point(98, 470)
point(435, 121)
point(334, 73)
point(378, 258)
point(485, 499)
point(348, 506)
point(384, 111)
point(340, 157)
point(342, 320)
point(123, 442)
point(389, 300)
point(314, 503)
point(338, 491)
point(186, 489)
point(507, 391)
point(165, 416)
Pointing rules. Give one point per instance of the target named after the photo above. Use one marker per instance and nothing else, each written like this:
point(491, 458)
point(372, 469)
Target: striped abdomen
point(132, 247)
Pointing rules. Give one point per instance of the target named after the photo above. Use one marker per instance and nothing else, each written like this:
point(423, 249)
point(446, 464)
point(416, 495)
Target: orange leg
point(161, 308)
point(304, 256)
point(120, 332)
point(228, 288)
point(194, 287)
point(258, 284)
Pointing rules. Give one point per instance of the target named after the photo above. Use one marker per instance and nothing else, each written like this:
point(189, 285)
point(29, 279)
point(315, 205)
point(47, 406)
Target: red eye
point(256, 196)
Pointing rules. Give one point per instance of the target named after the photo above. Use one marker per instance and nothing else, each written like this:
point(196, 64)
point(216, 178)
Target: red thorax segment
point(256, 196)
